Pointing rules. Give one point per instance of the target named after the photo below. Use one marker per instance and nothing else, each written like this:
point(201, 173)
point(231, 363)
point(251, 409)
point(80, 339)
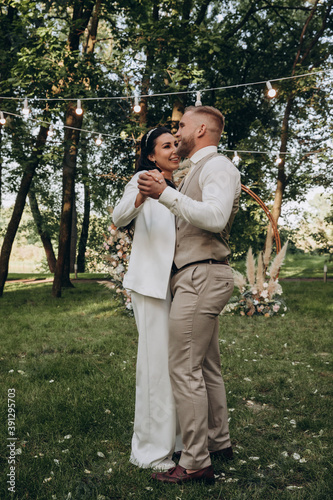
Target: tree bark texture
point(86, 213)
point(282, 178)
point(61, 275)
point(83, 14)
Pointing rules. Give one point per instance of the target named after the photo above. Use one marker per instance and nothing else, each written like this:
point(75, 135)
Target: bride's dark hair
point(148, 143)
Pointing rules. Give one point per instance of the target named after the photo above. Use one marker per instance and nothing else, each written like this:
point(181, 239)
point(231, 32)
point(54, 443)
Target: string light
point(236, 158)
point(271, 92)
point(278, 160)
point(198, 100)
point(137, 107)
point(50, 132)
point(249, 84)
point(315, 159)
point(25, 109)
point(2, 118)
point(79, 109)
point(124, 136)
point(99, 140)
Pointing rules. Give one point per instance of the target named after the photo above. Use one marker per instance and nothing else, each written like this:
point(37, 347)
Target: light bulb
point(98, 141)
point(25, 109)
point(137, 107)
point(79, 109)
point(2, 118)
point(278, 160)
point(50, 132)
point(198, 101)
point(315, 159)
point(271, 92)
point(236, 158)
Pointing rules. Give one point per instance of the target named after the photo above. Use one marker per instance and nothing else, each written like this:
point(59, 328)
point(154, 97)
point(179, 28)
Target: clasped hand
point(151, 183)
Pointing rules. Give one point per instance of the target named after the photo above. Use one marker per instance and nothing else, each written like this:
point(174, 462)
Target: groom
point(202, 283)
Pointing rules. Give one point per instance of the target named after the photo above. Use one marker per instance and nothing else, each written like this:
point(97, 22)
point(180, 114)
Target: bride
point(154, 436)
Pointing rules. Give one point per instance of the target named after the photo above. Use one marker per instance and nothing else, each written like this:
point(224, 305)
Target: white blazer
point(153, 244)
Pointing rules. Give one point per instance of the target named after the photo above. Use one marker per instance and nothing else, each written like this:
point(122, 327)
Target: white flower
point(293, 422)
point(271, 466)
point(247, 379)
point(56, 461)
point(86, 471)
point(68, 436)
point(11, 371)
point(51, 381)
point(47, 479)
point(21, 372)
point(107, 411)
point(65, 451)
point(100, 454)
point(264, 294)
point(108, 471)
point(254, 458)
point(18, 451)
point(303, 461)
point(285, 454)
point(296, 456)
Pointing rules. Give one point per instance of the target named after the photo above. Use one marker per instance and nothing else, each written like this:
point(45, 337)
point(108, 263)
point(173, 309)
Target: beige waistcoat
point(194, 244)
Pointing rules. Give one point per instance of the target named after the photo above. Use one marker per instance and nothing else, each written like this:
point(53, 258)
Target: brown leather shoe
point(223, 455)
point(178, 475)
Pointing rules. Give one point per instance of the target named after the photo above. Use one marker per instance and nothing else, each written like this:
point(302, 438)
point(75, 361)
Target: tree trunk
point(61, 275)
point(14, 222)
point(86, 213)
point(282, 178)
point(43, 233)
point(72, 255)
point(82, 15)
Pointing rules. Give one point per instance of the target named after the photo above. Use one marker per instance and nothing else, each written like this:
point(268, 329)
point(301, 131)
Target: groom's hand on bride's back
point(151, 184)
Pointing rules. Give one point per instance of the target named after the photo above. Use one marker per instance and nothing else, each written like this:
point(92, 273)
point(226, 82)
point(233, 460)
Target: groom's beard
point(186, 146)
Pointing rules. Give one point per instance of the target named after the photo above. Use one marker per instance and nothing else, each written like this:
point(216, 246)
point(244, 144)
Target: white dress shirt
point(220, 183)
point(153, 242)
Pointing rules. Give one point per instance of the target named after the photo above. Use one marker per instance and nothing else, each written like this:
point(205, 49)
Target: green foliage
point(148, 47)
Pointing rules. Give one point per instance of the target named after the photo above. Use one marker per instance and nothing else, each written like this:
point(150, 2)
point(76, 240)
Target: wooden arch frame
point(269, 215)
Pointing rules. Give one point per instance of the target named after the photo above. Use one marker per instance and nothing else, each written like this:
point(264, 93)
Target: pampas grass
point(239, 280)
point(268, 248)
point(277, 262)
point(182, 172)
point(260, 274)
point(250, 267)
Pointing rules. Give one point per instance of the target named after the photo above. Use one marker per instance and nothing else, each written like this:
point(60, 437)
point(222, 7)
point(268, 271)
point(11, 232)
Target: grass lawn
point(72, 360)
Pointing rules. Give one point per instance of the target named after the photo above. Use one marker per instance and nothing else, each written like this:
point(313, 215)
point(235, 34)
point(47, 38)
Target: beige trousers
point(199, 294)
